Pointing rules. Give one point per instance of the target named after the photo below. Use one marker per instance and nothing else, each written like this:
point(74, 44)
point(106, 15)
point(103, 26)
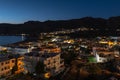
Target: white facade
point(100, 59)
point(22, 50)
point(19, 50)
point(53, 63)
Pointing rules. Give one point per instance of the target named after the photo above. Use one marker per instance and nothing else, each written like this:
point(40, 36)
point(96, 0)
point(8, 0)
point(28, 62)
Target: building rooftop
point(4, 59)
point(8, 56)
point(46, 55)
point(33, 54)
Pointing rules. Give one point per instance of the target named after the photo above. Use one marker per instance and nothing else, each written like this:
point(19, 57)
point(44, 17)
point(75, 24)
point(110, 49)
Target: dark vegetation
point(39, 68)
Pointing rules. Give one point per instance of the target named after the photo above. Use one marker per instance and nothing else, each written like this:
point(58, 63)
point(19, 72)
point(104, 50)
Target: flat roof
point(4, 59)
point(46, 55)
point(8, 56)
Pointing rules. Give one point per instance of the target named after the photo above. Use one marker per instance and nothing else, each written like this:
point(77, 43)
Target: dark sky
point(19, 11)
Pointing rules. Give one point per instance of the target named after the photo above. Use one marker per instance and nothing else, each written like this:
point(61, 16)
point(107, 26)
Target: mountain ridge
point(35, 27)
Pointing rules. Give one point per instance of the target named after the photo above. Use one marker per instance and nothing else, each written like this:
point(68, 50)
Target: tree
point(69, 56)
point(15, 67)
point(94, 69)
point(39, 68)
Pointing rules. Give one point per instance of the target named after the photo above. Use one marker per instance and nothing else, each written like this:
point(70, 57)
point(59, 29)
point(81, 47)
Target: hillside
point(101, 26)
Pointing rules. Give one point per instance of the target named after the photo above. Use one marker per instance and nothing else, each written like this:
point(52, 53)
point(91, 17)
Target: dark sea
point(9, 39)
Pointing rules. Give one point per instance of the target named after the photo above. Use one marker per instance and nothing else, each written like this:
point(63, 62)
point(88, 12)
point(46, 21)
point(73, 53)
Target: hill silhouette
point(100, 26)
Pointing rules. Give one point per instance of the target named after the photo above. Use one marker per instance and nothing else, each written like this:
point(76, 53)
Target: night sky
point(19, 11)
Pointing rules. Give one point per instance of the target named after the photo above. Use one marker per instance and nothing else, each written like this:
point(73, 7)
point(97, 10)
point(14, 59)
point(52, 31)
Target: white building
point(19, 50)
point(98, 58)
point(22, 50)
point(52, 61)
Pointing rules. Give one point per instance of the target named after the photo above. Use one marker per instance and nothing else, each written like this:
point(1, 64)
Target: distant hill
point(101, 26)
